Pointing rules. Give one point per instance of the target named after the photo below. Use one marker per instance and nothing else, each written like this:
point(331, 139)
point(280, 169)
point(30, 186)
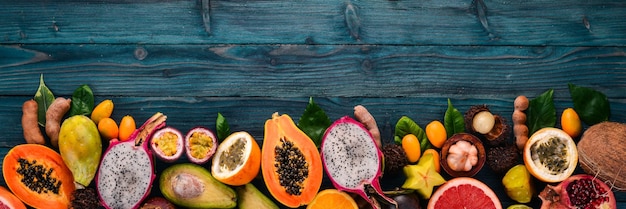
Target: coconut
point(602, 152)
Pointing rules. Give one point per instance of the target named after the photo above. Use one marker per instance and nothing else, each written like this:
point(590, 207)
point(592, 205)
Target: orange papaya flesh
point(8, 200)
point(286, 149)
point(38, 176)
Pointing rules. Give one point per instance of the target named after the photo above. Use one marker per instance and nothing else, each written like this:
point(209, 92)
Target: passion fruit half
point(237, 160)
point(200, 145)
point(550, 155)
point(167, 144)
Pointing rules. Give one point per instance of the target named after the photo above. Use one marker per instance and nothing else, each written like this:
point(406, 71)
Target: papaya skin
point(282, 127)
point(80, 146)
point(47, 158)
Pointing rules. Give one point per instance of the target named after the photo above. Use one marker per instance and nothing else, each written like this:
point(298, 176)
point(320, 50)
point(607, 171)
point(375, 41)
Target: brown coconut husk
point(602, 153)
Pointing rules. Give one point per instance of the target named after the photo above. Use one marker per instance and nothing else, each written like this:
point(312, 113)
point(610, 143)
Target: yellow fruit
point(127, 127)
point(332, 198)
point(435, 154)
point(411, 146)
point(436, 133)
point(550, 155)
point(518, 184)
point(80, 147)
point(519, 206)
point(108, 128)
point(570, 123)
point(422, 177)
point(102, 110)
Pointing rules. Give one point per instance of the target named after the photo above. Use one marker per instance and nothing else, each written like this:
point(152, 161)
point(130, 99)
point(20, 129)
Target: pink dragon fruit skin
point(366, 141)
point(142, 160)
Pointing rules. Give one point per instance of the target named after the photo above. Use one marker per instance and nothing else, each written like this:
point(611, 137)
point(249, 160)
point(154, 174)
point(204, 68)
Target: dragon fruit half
point(126, 171)
point(352, 159)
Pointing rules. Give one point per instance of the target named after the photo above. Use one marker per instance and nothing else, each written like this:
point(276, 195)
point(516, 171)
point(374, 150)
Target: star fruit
point(422, 177)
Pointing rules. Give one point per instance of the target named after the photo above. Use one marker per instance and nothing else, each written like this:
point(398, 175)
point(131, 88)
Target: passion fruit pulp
point(550, 155)
point(167, 144)
point(237, 160)
point(200, 145)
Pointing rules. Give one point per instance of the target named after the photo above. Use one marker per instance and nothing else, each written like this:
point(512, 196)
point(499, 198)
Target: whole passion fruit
point(200, 145)
point(167, 143)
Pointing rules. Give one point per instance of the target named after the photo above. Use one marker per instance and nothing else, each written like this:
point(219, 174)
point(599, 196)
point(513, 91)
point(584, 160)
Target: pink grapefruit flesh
point(464, 192)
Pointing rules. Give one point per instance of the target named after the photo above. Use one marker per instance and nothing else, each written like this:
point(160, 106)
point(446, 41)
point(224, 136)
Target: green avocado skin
point(192, 186)
point(249, 197)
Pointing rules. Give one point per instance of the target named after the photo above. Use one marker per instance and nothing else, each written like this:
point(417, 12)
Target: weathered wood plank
point(447, 22)
point(249, 114)
point(313, 70)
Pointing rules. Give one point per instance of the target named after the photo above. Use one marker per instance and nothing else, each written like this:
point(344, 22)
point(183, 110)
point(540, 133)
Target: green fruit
point(519, 206)
point(80, 147)
point(518, 184)
point(190, 185)
point(249, 197)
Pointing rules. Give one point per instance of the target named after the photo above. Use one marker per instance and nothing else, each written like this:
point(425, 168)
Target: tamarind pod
point(521, 142)
point(519, 117)
point(521, 135)
point(54, 115)
point(520, 130)
point(30, 126)
point(521, 103)
point(362, 115)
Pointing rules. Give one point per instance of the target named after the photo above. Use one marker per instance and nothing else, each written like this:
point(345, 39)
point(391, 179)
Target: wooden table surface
point(248, 59)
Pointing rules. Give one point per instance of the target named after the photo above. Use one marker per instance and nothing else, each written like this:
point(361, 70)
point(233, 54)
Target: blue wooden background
point(247, 59)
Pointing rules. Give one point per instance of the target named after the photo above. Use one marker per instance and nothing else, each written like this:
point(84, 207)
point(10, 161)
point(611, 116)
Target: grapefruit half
point(464, 192)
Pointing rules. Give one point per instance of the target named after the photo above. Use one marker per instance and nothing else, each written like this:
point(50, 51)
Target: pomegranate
point(578, 191)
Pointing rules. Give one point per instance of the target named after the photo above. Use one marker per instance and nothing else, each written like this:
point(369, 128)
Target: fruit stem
point(146, 130)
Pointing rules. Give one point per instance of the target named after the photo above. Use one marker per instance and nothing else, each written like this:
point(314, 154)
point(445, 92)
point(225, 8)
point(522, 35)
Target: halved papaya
point(291, 164)
point(8, 200)
point(38, 176)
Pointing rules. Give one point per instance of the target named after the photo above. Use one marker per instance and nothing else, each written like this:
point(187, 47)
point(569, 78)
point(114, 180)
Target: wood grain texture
point(430, 22)
point(318, 71)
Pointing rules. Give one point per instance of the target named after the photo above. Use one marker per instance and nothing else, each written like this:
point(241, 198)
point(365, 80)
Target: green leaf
point(222, 127)
point(592, 106)
point(397, 140)
point(453, 120)
point(406, 125)
point(541, 112)
point(82, 101)
point(44, 98)
point(314, 122)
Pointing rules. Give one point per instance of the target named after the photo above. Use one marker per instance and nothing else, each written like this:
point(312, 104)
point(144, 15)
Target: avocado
point(249, 197)
point(190, 185)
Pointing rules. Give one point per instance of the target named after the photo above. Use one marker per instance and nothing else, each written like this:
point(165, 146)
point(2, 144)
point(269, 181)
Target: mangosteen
point(405, 200)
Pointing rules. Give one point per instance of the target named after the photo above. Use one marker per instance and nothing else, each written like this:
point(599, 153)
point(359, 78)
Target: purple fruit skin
point(208, 157)
point(178, 154)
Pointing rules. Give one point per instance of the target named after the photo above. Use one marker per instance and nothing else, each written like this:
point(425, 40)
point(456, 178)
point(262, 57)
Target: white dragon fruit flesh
point(126, 171)
point(352, 159)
